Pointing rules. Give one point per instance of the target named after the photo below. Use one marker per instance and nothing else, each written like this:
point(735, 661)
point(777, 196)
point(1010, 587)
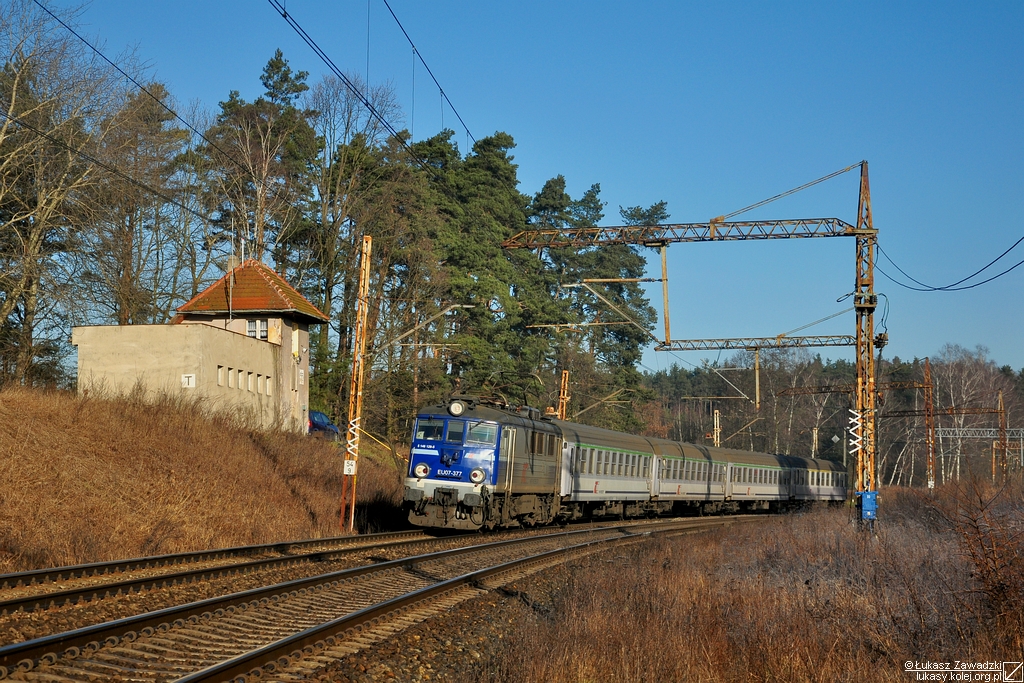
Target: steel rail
point(79, 571)
point(293, 646)
point(48, 648)
point(38, 601)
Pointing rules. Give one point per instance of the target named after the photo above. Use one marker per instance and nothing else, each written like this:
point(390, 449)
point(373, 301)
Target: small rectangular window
point(259, 383)
point(231, 378)
point(590, 461)
point(248, 382)
point(262, 329)
point(269, 385)
point(250, 328)
point(241, 379)
point(455, 431)
point(599, 462)
point(220, 375)
point(622, 463)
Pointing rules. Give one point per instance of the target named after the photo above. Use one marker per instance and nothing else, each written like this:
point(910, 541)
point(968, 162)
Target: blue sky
point(710, 107)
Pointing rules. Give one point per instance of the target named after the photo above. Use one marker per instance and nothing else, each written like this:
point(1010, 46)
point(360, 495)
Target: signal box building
point(241, 345)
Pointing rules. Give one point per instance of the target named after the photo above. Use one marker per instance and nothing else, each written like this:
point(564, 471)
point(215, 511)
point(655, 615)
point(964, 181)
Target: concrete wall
point(234, 373)
point(292, 338)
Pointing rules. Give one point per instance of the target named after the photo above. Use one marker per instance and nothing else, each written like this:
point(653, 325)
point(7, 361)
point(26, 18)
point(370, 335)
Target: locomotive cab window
point(429, 430)
point(455, 431)
point(482, 433)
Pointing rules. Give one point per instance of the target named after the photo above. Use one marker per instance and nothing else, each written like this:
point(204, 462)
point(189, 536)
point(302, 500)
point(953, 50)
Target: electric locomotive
point(480, 463)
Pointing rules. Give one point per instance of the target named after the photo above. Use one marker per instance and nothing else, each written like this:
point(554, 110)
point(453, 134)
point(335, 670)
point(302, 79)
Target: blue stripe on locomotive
point(451, 461)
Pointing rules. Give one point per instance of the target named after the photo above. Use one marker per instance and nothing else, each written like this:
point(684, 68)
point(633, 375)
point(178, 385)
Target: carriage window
point(622, 461)
point(582, 463)
point(455, 430)
point(429, 430)
point(646, 465)
point(632, 465)
point(482, 433)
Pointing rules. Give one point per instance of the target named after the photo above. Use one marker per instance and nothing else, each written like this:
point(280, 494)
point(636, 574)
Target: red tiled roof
point(256, 289)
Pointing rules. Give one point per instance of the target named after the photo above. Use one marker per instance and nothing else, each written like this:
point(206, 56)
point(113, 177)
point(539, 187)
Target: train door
point(728, 481)
point(655, 481)
point(507, 456)
point(568, 465)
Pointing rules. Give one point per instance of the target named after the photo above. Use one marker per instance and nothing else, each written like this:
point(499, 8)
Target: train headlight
point(456, 408)
point(477, 475)
point(421, 470)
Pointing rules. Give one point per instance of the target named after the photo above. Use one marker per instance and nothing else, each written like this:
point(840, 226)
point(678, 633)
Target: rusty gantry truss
point(722, 230)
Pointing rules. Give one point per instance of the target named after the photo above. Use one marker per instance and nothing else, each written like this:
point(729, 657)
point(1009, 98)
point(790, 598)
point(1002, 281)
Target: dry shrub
point(989, 520)
point(802, 598)
point(85, 479)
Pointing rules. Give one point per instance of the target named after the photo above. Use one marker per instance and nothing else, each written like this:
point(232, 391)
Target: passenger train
point(479, 463)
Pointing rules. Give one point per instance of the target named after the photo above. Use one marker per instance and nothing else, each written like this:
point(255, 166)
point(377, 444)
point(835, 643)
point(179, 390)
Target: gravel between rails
point(470, 641)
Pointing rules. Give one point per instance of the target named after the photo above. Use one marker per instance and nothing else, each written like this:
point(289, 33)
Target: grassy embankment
point(89, 479)
point(802, 598)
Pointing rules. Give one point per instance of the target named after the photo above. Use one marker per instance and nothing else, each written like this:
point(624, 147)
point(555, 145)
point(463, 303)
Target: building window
point(231, 378)
point(220, 375)
point(259, 383)
point(269, 385)
point(257, 329)
point(241, 379)
point(248, 384)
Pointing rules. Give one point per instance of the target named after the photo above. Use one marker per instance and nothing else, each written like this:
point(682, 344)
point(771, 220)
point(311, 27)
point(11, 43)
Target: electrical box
point(868, 504)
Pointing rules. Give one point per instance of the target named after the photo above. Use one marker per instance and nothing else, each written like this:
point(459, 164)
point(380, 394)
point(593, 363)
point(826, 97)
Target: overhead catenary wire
point(325, 58)
point(418, 54)
point(312, 44)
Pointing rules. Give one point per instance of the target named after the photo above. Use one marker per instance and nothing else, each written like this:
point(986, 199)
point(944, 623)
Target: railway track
point(45, 588)
point(40, 583)
point(290, 628)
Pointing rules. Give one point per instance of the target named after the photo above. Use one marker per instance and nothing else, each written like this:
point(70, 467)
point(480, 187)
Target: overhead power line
point(416, 51)
point(954, 286)
point(113, 169)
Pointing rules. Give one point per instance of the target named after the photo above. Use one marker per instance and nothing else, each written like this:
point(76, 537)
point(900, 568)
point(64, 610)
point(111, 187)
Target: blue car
point(320, 426)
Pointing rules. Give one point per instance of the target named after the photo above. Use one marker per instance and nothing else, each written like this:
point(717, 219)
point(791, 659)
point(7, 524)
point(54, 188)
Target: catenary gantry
point(719, 229)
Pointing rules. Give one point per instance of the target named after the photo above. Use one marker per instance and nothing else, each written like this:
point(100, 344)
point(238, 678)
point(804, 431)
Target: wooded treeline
point(112, 211)
point(961, 378)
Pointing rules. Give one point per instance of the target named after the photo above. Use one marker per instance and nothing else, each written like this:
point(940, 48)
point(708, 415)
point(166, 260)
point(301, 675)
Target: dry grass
point(804, 598)
point(88, 479)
